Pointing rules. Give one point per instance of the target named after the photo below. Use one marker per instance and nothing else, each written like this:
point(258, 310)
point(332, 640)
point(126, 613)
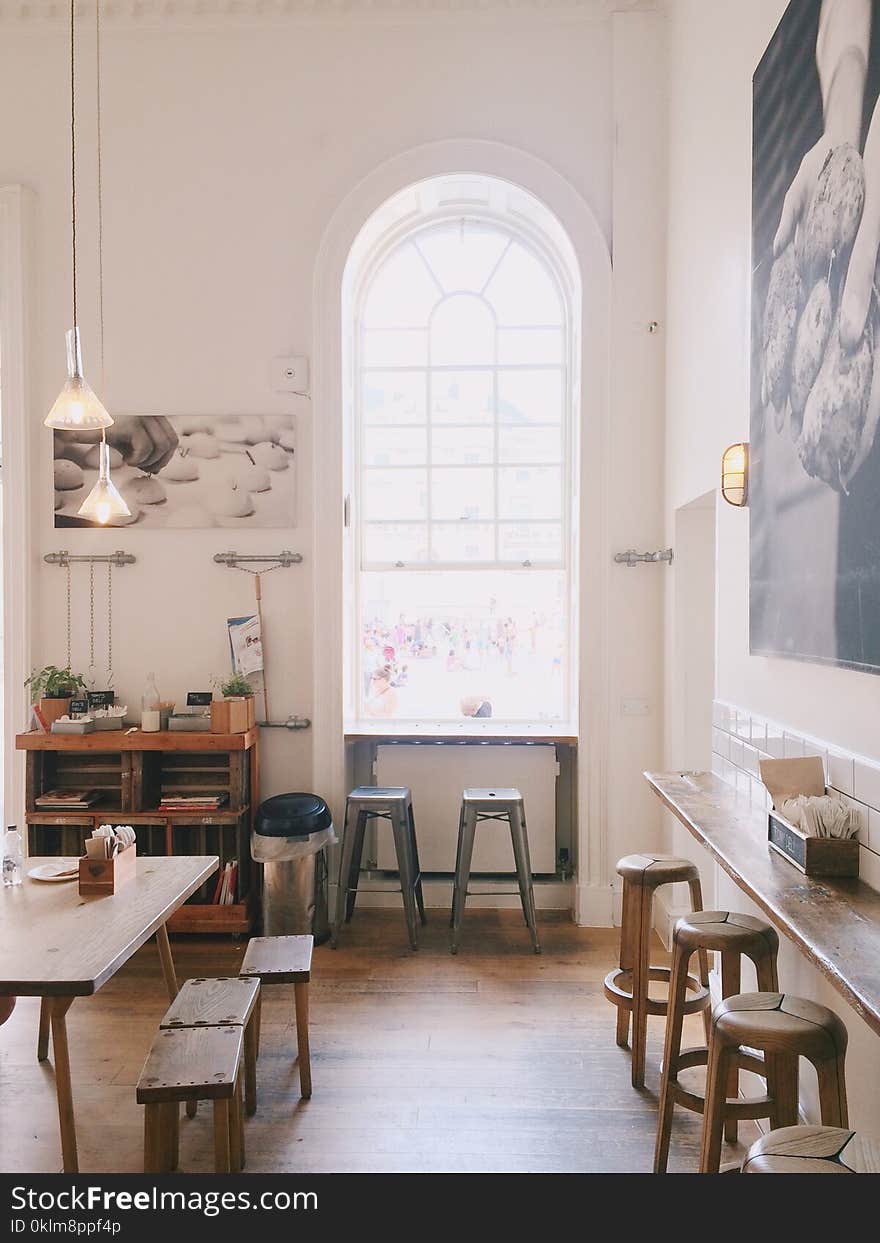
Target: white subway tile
point(719, 715)
point(736, 753)
point(870, 834)
point(869, 867)
point(841, 771)
point(750, 760)
point(866, 782)
point(759, 734)
point(775, 742)
point(744, 724)
point(792, 746)
point(721, 743)
point(718, 764)
point(744, 784)
point(728, 772)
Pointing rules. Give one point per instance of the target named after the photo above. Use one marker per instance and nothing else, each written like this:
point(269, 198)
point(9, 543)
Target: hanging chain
point(91, 624)
point(109, 625)
point(68, 615)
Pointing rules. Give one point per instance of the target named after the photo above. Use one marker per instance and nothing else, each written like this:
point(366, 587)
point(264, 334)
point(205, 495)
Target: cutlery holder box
point(100, 877)
point(814, 856)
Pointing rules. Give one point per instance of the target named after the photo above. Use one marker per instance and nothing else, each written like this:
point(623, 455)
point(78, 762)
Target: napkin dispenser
point(814, 856)
point(100, 877)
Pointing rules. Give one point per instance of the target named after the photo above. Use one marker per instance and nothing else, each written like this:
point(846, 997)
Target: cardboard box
point(814, 856)
point(100, 877)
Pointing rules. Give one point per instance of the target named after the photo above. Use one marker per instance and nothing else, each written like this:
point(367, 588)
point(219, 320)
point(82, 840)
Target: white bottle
point(151, 719)
point(12, 857)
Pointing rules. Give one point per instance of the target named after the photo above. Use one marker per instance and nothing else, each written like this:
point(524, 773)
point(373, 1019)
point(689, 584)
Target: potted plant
point(52, 689)
point(235, 712)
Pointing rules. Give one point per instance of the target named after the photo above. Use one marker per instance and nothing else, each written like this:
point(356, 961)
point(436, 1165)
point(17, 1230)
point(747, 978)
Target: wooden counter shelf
point(834, 923)
point(133, 771)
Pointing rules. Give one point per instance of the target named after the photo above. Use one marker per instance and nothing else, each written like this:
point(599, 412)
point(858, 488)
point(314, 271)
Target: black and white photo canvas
point(185, 471)
point(814, 482)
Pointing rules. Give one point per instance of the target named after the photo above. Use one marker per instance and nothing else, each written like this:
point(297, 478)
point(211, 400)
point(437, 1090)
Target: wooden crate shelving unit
point(133, 772)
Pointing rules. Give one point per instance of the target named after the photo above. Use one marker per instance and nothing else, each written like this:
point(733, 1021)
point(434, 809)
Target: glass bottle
point(12, 857)
point(151, 718)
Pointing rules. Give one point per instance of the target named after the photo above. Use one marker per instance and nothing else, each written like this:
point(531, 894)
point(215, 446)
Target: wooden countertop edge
point(119, 740)
point(863, 1006)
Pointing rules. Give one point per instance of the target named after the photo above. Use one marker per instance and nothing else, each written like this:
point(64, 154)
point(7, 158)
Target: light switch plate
point(290, 375)
point(635, 707)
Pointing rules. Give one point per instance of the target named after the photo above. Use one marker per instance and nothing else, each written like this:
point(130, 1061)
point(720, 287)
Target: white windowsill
point(462, 731)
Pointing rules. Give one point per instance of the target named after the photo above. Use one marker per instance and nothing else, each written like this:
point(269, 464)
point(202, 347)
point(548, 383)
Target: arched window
point(464, 295)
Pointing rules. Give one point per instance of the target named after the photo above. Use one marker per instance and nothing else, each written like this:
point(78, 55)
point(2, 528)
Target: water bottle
point(151, 718)
point(12, 857)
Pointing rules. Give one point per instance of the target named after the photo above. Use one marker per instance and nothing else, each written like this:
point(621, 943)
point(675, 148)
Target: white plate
point(55, 873)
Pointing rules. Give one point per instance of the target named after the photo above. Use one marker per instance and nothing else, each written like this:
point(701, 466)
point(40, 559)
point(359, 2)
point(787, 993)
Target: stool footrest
point(741, 1110)
point(623, 997)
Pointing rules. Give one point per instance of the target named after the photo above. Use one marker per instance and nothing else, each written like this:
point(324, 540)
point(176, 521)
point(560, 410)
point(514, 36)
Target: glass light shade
point(76, 407)
point(735, 475)
point(104, 501)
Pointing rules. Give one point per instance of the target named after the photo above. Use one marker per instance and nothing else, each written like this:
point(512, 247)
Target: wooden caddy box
point(100, 877)
point(814, 856)
point(233, 716)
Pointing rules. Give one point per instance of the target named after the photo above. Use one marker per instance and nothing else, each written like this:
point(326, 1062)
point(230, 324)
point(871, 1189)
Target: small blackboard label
point(102, 699)
point(789, 843)
point(199, 699)
point(78, 706)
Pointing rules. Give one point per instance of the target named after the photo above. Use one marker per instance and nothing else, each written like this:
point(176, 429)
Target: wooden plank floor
point(496, 1060)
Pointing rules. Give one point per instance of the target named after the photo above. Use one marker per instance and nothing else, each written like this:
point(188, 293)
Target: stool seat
point(655, 870)
point(488, 800)
point(725, 932)
point(813, 1150)
point(781, 1023)
point(373, 796)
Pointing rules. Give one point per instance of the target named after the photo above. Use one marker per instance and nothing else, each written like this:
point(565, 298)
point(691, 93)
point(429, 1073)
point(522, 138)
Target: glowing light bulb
point(104, 501)
point(76, 408)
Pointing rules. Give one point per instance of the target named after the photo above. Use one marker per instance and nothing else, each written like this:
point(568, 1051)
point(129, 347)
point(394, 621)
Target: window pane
point(395, 541)
point(389, 348)
point(394, 494)
point(461, 397)
point(451, 446)
point(522, 291)
point(462, 254)
point(529, 345)
point(529, 444)
point(462, 332)
point(393, 397)
point(522, 542)
point(395, 446)
point(528, 492)
point(402, 293)
point(463, 541)
point(462, 494)
point(530, 397)
point(442, 646)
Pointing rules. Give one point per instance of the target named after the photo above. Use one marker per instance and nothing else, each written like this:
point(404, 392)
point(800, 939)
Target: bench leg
point(221, 1137)
point(192, 1108)
point(250, 1066)
point(236, 1131)
point(169, 1136)
point(152, 1138)
point(45, 1024)
point(301, 1000)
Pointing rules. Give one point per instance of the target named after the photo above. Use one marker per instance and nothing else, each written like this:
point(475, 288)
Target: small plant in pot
point(227, 715)
point(235, 686)
point(54, 688)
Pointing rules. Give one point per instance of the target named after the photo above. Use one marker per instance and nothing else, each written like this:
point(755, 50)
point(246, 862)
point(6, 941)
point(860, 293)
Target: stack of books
point(224, 894)
point(67, 800)
point(193, 802)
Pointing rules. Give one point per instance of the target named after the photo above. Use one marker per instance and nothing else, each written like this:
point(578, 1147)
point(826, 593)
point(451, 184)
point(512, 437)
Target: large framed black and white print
point(814, 481)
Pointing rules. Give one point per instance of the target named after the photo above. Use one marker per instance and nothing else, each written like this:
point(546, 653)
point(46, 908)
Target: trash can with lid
point(291, 833)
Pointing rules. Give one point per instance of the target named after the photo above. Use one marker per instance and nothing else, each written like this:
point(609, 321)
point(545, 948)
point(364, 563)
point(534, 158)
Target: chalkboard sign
point(199, 699)
point(78, 706)
point(102, 699)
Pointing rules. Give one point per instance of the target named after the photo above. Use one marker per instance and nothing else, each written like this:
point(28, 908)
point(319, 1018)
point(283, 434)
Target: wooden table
point(59, 946)
point(835, 923)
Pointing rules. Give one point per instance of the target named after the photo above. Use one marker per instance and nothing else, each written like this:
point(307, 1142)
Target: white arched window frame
point(504, 542)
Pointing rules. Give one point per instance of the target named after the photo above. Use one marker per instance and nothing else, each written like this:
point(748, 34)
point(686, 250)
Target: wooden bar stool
point(285, 960)
point(733, 936)
point(507, 806)
point(226, 1001)
point(783, 1028)
point(642, 875)
point(392, 803)
point(192, 1063)
point(813, 1150)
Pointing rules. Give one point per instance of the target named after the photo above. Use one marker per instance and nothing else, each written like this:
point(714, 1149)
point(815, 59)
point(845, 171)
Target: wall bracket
point(631, 558)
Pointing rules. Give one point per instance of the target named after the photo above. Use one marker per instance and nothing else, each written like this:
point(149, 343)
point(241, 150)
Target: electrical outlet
point(290, 375)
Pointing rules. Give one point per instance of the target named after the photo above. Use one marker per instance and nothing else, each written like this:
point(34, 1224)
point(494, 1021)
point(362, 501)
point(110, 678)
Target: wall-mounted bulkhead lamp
point(735, 474)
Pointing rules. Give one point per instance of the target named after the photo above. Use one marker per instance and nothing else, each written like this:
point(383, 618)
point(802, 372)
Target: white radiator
point(438, 774)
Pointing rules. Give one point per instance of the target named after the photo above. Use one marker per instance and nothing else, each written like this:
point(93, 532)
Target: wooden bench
point(192, 1063)
point(225, 1001)
point(285, 960)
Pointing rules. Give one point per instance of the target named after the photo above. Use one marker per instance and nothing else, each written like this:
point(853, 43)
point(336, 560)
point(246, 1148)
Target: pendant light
point(76, 408)
point(104, 501)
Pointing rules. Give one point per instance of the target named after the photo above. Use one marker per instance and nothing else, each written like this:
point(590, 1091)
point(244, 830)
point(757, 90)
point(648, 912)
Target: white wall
point(227, 148)
point(713, 51)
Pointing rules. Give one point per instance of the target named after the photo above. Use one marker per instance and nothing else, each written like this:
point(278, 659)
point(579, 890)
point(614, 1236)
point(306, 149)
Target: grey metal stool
point(505, 805)
point(392, 803)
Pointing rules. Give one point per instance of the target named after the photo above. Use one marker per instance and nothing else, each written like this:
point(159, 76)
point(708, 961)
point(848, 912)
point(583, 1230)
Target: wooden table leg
point(167, 961)
point(301, 998)
point(45, 1024)
point(58, 1010)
